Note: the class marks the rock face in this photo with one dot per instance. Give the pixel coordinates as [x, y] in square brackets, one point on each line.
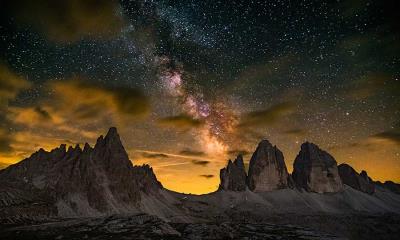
[233, 177]
[316, 170]
[78, 182]
[357, 181]
[267, 169]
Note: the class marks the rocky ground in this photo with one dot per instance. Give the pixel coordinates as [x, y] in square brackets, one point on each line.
[148, 227]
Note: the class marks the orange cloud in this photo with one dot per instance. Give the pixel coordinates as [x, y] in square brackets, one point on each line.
[182, 122]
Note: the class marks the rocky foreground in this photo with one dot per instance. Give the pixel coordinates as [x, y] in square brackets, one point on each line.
[96, 193]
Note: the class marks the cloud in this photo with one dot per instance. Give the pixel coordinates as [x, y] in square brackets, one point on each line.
[206, 176]
[88, 100]
[10, 85]
[200, 162]
[5, 141]
[261, 72]
[74, 110]
[154, 155]
[42, 113]
[189, 152]
[295, 132]
[182, 122]
[68, 20]
[30, 116]
[391, 136]
[369, 85]
[268, 116]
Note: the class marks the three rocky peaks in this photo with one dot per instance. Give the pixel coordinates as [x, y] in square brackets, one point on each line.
[314, 170]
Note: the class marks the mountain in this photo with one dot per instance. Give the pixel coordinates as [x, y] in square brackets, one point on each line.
[78, 182]
[233, 177]
[267, 169]
[361, 181]
[389, 185]
[315, 170]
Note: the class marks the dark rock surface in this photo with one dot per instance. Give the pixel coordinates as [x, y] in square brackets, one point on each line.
[143, 226]
[316, 170]
[267, 169]
[233, 176]
[357, 181]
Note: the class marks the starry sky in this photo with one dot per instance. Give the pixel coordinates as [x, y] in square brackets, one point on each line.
[191, 84]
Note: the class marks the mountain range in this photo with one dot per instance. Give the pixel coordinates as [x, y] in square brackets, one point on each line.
[99, 186]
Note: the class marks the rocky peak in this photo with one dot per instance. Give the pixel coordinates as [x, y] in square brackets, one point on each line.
[316, 170]
[87, 148]
[267, 169]
[360, 182]
[146, 179]
[233, 177]
[110, 152]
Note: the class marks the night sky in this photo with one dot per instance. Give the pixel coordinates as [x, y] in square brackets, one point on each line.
[190, 84]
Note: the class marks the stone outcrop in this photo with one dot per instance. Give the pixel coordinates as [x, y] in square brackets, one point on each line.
[315, 170]
[361, 181]
[233, 176]
[267, 169]
[81, 182]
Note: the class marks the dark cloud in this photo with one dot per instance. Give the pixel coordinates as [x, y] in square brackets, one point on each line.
[43, 113]
[207, 176]
[267, 116]
[200, 162]
[190, 152]
[87, 111]
[154, 155]
[182, 122]
[68, 20]
[130, 101]
[295, 132]
[5, 144]
[89, 100]
[392, 136]
[6, 137]
[370, 85]
[10, 84]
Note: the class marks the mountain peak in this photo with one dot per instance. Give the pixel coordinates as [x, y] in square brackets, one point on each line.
[239, 161]
[316, 170]
[112, 133]
[267, 169]
[264, 144]
[350, 177]
[233, 176]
